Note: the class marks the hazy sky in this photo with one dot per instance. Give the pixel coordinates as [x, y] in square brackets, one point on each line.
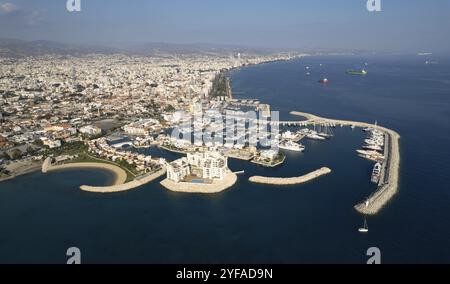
[403, 25]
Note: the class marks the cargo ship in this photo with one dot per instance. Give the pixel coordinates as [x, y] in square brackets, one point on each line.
[357, 72]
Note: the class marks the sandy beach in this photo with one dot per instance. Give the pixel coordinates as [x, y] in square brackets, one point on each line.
[119, 174]
[290, 181]
[138, 182]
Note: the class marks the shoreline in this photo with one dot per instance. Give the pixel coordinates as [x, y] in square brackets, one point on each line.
[120, 175]
[216, 187]
[292, 180]
[120, 184]
[374, 203]
[24, 169]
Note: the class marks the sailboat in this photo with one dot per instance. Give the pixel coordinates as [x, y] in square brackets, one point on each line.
[326, 131]
[364, 229]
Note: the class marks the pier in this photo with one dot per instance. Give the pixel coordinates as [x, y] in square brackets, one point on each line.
[388, 186]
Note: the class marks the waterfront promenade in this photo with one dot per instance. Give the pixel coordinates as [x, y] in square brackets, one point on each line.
[290, 181]
[386, 191]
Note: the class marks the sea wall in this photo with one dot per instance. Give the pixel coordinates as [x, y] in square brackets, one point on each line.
[373, 204]
[291, 181]
[389, 188]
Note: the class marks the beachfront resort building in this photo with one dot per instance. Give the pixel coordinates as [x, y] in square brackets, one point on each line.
[207, 166]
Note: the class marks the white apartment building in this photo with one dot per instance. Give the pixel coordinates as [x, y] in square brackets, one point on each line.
[211, 165]
[178, 170]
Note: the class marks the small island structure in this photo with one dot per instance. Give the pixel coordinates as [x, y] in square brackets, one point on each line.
[291, 181]
[199, 173]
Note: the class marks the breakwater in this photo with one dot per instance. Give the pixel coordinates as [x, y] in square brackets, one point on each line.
[391, 168]
[138, 182]
[291, 181]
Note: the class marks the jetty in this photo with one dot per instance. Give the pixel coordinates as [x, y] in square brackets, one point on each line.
[138, 182]
[389, 180]
[291, 181]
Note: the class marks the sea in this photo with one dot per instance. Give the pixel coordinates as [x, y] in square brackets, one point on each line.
[41, 216]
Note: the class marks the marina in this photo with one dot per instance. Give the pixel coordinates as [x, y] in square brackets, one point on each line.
[390, 168]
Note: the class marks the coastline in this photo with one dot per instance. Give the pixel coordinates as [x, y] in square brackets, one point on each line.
[374, 203]
[120, 176]
[120, 184]
[215, 187]
[138, 182]
[25, 169]
[290, 181]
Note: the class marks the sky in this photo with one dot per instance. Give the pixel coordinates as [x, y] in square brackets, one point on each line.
[402, 25]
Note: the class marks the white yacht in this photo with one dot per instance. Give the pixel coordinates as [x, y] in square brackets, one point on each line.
[373, 147]
[291, 146]
[376, 173]
[313, 135]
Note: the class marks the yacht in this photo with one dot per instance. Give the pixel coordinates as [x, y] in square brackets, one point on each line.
[291, 146]
[313, 135]
[373, 147]
[376, 173]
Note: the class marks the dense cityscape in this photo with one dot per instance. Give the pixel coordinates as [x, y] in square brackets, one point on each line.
[53, 106]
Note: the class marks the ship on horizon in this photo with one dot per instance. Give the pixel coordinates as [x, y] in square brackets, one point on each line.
[357, 72]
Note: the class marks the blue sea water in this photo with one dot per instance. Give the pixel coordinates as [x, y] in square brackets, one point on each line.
[43, 215]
